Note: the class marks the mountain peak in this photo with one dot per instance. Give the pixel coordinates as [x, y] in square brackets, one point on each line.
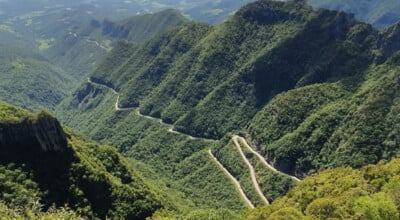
[270, 12]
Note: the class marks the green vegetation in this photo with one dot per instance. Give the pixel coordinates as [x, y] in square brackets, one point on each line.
[33, 210]
[59, 168]
[229, 156]
[210, 81]
[354, 129]
[173, 162]
[182, 71]
[272, 184]
[143, 27]
[82, 47]
[313, 89]
[344, 193]
[30, 81]
[20, 198]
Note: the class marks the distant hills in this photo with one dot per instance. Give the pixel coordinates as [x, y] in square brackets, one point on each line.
[30, 80]
[207, 11]
[40, 75]
[380, 13]
[80, 48]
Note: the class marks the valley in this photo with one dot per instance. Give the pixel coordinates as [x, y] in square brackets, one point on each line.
[199, 110]
[235, 140]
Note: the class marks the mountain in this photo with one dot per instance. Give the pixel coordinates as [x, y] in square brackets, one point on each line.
[274, 114]
[208, 83]
[30, 80]
[42, 159]
[308, 89]
[379, 13]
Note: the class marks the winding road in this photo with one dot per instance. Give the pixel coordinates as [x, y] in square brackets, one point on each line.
[235, 138]
[97, 44]
[252, 171]
[90, 41]
[234, 180]
[117, 108]
[269, 166]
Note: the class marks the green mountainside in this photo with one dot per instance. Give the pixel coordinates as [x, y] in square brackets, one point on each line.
[29, 80]
[198, 77]
[210, 11]
[278, 113]
[340, 124]
[143, 27]
[218, 82]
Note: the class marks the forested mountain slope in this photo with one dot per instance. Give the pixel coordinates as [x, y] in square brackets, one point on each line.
[210, 11]
[352, 122]
[217, 83]
[30, 80]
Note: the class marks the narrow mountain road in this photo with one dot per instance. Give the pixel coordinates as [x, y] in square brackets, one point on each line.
[102, 85]
[252, 171]
[236, 139]
[269, 166]
[97, 44]
[234, 180]
[117, 108]
[89, 41]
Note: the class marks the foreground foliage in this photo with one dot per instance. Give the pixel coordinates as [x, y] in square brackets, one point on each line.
[344, 193]
[39, 160]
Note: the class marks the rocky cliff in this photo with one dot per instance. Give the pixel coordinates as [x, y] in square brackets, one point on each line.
[43, 134]
[39, 143]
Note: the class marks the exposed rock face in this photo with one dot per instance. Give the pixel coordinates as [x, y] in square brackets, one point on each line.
[44, 134]
[41, 145]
